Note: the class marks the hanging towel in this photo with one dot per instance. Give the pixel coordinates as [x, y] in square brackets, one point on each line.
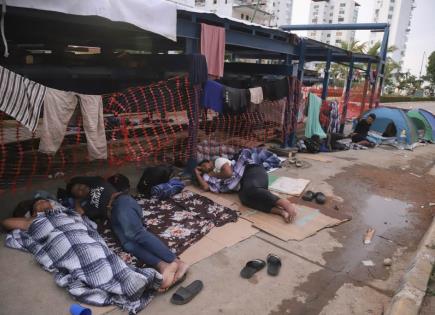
[21, 98]
[59, 107]
[312, 125]
[256, 95]
[212, 96]
[213, 48]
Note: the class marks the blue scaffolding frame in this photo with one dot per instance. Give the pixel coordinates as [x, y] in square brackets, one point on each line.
[243, 40]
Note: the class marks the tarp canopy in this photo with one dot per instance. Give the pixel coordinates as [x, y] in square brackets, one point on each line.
[430, 118]
[156, 16]
[386, 115]
[421, 123]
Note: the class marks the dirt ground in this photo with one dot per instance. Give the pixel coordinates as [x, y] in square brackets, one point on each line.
[389, 190]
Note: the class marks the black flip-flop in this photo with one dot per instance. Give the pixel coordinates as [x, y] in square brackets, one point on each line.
[185, 294]
[320, 198]
[273, 265]
[252, 267]
[309, 196]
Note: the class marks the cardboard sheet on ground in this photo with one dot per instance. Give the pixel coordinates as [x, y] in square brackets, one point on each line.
[308, 222]
[218, 239]
[289, 186]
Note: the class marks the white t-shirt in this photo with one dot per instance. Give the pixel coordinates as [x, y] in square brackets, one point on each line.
[219, 163]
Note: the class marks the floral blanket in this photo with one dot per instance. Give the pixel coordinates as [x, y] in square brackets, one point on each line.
[179, 221]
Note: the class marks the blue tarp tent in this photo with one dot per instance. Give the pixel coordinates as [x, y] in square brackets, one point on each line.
[386, 115]
[430, 119]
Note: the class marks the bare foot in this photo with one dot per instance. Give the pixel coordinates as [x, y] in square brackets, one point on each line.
[286, 216]
[182, 269]
[286, 210]
[291, 210]
[168, 272]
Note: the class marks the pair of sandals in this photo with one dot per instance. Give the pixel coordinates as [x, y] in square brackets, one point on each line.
[254, 266]
[319, 197]
[296, 162]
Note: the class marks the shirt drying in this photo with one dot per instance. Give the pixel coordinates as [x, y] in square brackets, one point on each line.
[256, 95]
[212, 96]
[236, 100]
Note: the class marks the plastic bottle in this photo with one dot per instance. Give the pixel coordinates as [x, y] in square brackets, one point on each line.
[402, 140]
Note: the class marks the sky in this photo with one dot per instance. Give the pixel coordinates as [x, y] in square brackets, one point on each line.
[421, 38]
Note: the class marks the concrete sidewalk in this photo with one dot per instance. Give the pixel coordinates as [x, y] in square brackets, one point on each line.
[385, 189]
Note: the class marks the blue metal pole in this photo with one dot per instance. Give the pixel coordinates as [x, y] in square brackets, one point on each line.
[366, 86]
[346, 96]
[326, 75]
[301, 64]
[355, 26]
[291, 140]
[382, 64]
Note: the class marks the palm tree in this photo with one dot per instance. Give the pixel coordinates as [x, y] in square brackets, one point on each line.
[376, 49]
[354, 46]
[392, 68]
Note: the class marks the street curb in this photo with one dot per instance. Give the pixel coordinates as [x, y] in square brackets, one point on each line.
[412, 289]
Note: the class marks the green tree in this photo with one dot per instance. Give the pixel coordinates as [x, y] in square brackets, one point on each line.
[408, 82]
[430, 70]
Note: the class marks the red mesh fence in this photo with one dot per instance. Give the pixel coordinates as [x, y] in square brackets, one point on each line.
[161, 122]
[152, 123]
[223, 135]
[355, 98]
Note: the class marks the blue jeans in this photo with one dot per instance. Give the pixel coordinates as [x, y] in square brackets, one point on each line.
[128, 227]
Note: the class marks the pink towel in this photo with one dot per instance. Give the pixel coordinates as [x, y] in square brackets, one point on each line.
[213, 48]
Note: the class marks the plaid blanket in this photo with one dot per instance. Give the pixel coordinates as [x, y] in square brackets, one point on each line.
[68, 245]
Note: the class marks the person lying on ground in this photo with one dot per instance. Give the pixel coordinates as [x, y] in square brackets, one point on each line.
[359, 136]
[251, 182]
[68, 244]
[96, 198]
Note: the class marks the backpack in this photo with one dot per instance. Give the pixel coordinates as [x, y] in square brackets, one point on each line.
[120, 182]
[152, 176]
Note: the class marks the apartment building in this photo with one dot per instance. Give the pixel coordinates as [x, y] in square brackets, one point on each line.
[333, 12]
[265, 12]
[398, 14]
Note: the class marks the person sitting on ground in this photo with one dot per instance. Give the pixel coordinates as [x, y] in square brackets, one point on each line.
[359, 136]
[97, 199]
[251, 182]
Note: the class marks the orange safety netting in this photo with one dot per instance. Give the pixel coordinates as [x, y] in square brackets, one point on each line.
[145, 123]
[160, 122]
[355, 98]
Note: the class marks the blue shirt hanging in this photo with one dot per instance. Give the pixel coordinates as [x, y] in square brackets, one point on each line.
[212, 96]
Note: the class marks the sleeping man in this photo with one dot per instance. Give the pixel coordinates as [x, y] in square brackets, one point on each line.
[68, 244]
[250, 180]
